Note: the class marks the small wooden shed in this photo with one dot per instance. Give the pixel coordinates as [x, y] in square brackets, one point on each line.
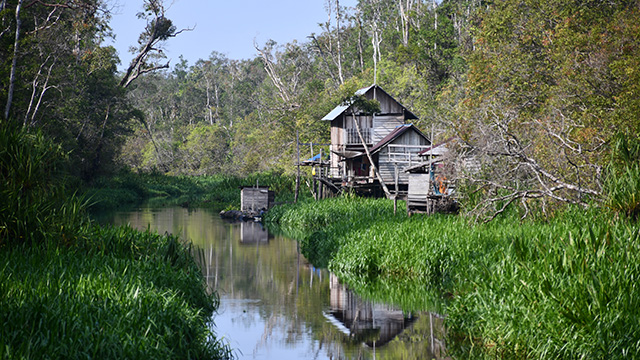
[429, 189]
[254, 199]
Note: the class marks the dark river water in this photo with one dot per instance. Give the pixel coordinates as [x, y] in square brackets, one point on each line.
[275, 305]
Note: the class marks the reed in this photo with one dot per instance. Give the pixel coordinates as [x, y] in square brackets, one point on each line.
[118, 293]
[70, 289]
[562, 288]
[622, 183]
[35, 201]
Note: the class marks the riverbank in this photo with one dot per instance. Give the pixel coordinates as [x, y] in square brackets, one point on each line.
[218, 192]
[115, 294]
[71, 289]
[565, 288]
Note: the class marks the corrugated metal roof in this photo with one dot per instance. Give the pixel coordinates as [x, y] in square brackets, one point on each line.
[337, 111]
[399, 130]
[363, 91]
[437, 149]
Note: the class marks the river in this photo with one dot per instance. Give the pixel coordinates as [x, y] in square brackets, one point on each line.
[274, 304]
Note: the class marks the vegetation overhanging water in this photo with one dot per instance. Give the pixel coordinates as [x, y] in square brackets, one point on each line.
[564, 288]
[72, 289]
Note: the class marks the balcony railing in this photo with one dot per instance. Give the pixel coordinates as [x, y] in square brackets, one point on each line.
[354, 139]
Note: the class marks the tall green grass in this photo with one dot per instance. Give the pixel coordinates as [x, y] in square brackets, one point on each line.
[70, 289]
[35, 201]
[117, 294]
[564, 288]
[622, 182]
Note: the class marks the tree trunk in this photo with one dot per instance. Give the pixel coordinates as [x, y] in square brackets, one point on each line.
[366, 149]
[340, 76]
[14, 62]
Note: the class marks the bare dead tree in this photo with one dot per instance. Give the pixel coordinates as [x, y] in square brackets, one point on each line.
[14, 62]
[286, 87]
[516, 161]
[323, 56]
[406, 7]
[158, 29]
[339, 55]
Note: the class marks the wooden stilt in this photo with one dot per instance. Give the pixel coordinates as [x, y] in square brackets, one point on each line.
[395, 197]
[295, 199]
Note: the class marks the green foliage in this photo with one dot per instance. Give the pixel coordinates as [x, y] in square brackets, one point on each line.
[217, 192]
[558, 290]
[622, 184]
[564, 288]
[117, 294]
[69, 289]
[322, 226]
[35, 204]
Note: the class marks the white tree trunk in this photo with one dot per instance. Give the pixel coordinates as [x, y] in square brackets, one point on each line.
[14, 62]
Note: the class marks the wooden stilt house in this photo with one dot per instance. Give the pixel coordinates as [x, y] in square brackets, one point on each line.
[392, 143]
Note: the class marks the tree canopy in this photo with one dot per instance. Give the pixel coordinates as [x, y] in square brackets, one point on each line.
[535, 91]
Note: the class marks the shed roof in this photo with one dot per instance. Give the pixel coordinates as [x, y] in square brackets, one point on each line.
[397, 132]
[340, 109]
[437, 149]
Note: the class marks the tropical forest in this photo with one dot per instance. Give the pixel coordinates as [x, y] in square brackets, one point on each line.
[113, 177]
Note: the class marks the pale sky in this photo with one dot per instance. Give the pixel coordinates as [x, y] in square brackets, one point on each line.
[226, 26]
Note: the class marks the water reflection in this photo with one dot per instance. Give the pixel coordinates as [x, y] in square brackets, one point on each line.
[253, 232]
[274, 304]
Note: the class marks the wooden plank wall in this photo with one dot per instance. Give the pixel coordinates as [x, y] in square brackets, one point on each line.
[385, 124]
[386, 166]
[255, 199]
[418, 187]
[387, 104]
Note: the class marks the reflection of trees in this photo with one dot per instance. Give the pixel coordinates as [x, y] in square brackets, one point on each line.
[278, 288]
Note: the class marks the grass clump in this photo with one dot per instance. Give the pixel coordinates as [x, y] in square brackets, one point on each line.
[119, 294]
[35, 200]
[563, 288]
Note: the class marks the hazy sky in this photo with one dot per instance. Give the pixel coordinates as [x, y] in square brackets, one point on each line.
[226, 26]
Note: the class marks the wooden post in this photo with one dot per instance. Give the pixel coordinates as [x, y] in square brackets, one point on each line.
[314, 191]
[430, 201]
[295, 198]
[320, 184]
[395, 197]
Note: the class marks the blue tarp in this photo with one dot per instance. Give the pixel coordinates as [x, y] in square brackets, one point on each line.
[315, 158]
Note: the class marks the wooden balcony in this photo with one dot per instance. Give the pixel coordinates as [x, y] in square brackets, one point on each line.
[352, 137]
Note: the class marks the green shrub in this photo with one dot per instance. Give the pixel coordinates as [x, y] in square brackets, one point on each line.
[35, 204]
[216, 191]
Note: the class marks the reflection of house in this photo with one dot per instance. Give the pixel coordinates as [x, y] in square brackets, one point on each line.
[362, 320]
[252, 232]
[392, 143]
